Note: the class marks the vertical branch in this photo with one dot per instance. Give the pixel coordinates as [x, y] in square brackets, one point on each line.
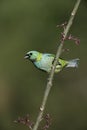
[51, 76]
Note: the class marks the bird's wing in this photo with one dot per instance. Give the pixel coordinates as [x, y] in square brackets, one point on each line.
[60, 62]
[53, 56]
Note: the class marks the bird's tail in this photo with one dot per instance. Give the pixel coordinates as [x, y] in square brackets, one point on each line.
[73, 63]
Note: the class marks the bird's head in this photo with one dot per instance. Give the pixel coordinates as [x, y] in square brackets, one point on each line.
[32, 55]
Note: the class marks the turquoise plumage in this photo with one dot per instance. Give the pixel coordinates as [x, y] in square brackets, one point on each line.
[44, 61]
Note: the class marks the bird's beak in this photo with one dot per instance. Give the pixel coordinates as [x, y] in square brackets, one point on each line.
[26, 56]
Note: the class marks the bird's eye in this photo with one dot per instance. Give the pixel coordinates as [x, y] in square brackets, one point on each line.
[30, 54]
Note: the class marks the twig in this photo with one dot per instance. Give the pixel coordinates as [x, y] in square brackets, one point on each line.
[51, 76]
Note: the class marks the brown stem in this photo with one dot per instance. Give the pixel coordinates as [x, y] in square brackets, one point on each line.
[51, 76]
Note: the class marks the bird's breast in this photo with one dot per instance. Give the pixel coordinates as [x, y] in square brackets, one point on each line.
[45, 63]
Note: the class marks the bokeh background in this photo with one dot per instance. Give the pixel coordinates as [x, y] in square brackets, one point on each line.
[31, 25]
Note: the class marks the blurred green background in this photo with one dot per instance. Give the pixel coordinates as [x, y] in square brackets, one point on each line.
[31, 25]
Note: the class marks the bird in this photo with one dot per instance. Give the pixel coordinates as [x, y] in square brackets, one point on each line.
[44, 61]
